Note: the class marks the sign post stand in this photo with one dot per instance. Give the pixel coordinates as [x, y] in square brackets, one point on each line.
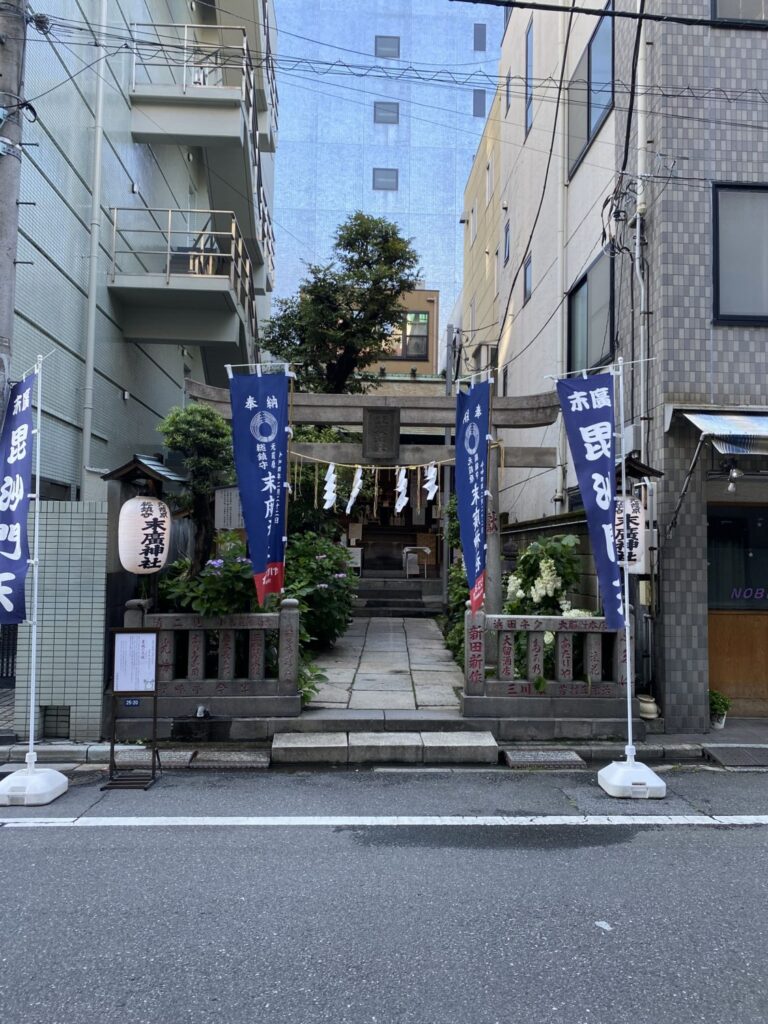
[134, 678]
[628, 778]
[32, 786]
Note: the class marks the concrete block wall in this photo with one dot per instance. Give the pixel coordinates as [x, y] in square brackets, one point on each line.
[71, 618]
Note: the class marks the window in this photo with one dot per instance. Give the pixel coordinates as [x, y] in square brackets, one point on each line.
[489, 181]
[478, 102]
[529, 77]
[741, 10]
[496, 273]
[741, 254]
[386, 113]
[590, 331]
[414, 338]
[505, 380]
[527, 278]
[506, 243]
[508, 91]
[387, 47]
[737, 553]
[479, 40]
[385, 179]
[590, 92]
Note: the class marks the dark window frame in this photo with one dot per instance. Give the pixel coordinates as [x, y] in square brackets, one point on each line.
[377, 104]
[481, 36]
[476, 93]
[404, 356]
[724, 21]
[507, 245]
[379, 188]
[579, 283]
[528, 119]
[382, 56]
[592, 135]
[729, 319]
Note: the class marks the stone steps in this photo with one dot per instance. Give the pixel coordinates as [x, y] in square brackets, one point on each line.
[455, 747]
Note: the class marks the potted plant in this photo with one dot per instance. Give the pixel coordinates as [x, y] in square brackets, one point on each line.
[718, 708]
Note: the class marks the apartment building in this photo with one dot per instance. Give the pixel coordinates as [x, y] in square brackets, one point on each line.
[146, 255]
[649, 245]
[382, 106]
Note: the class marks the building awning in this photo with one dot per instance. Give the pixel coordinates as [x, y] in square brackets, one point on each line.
[733, 433]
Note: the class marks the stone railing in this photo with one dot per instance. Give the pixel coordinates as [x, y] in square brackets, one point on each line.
[214, 669]
[521, 673]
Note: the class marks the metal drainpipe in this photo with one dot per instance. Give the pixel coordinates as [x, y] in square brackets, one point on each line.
[93, 259]
[562, 357]
[642, 206]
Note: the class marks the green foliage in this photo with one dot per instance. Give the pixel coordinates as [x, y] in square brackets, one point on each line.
[454, 537]
[342, 319]
[718, 703]
[545, 572]
[302, 513]
[319, 576]
[453, 622]
[223, 587]
[204, 439]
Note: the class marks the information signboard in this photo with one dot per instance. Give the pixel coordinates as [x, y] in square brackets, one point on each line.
[135, 662]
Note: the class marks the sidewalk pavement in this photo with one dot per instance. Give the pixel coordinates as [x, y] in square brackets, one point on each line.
[397, 664]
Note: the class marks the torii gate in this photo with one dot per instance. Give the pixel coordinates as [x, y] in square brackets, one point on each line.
[381, 416]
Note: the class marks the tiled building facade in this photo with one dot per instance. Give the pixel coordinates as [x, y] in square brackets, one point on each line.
[707, 314]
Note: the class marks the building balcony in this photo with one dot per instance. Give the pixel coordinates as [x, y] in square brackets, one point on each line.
[184, 277]
[195, 85]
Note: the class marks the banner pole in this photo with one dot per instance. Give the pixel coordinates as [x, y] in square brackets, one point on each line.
[629, 750]
[31, 756]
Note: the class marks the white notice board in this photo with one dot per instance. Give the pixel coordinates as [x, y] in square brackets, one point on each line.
[135, 661]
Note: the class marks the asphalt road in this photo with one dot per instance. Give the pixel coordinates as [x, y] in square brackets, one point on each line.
[393, 924]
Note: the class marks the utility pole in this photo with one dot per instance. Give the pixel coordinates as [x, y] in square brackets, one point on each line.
[13, 27]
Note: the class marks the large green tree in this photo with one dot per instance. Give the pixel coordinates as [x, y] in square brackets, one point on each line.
[204, 439]
[343, 317]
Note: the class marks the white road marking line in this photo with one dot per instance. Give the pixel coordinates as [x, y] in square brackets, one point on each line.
[398, 821]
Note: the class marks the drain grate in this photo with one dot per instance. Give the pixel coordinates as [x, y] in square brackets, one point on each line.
[543, 759]
[738, 757]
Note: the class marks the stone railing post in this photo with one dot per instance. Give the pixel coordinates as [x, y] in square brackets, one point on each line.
[474, 653]
[288, 647]
[133, 616]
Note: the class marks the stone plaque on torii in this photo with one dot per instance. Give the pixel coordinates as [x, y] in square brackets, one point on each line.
[437, 411]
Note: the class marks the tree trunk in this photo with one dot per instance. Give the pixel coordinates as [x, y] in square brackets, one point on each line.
[202, 515]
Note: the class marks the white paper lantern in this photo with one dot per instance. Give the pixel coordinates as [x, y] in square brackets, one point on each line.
[144, 535]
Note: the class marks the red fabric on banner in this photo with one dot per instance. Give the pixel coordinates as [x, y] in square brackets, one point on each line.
[271, 581]
[477, 594]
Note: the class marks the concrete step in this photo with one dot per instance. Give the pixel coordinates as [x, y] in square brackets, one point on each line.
[520, 729]
[444, 747]
[395, 612]
[547, 707]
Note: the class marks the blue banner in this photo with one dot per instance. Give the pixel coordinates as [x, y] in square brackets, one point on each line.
[588, 412]
[260, 441]
[16, 459]
[472, 413]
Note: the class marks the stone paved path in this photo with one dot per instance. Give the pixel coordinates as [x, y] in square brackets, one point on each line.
[390, 664]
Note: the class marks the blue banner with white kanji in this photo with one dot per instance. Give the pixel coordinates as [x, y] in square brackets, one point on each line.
[16, 458]
[260, 441]
[588, 413]
[472, 415]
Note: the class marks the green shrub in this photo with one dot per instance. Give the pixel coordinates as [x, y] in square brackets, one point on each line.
[718, 703]
[223, 587]
[318, 575]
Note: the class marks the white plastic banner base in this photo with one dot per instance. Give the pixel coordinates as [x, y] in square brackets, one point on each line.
[31, 786]
[631, 780]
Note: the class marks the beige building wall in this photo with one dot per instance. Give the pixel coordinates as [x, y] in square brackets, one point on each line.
[420, 303]
[531, 331]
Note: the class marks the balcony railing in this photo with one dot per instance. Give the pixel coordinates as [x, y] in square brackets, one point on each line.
[187, 243]
[192, 57]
